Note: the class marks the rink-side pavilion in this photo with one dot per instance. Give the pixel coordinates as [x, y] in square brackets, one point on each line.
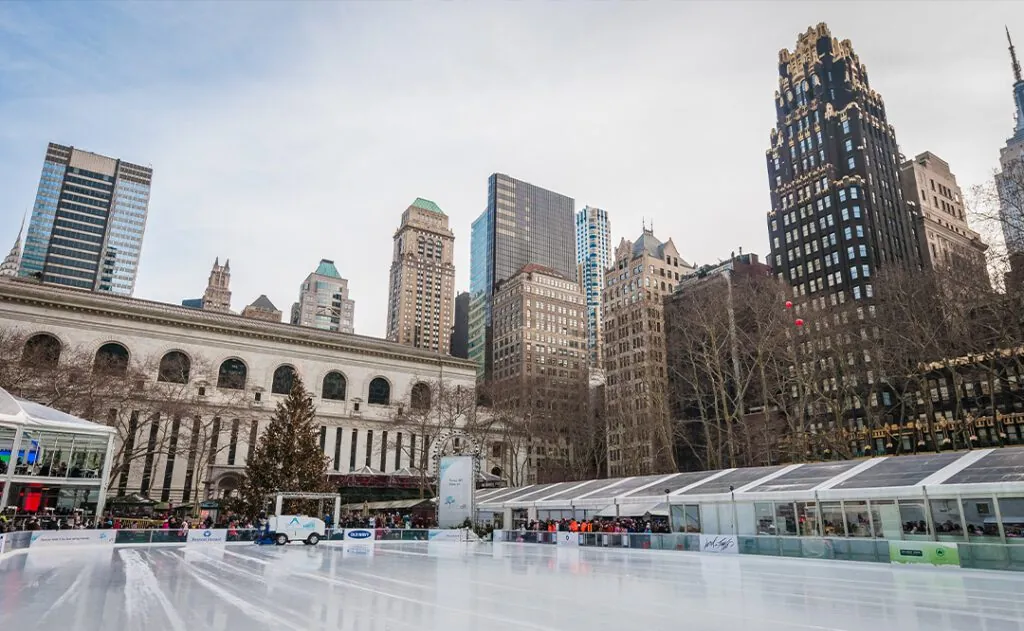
[973, 496]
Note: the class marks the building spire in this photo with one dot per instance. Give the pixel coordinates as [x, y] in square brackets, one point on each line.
[10, 264]
[1013, 58]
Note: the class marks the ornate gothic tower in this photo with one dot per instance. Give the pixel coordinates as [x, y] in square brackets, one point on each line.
[217, 296]
[9, 267]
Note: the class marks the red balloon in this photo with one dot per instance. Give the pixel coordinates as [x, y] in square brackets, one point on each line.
[799, 322]
[789, 304]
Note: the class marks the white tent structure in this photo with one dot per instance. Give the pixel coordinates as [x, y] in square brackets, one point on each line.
[46, 450]
[975, 496]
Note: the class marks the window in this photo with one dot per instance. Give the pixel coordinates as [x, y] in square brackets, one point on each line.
[232, 375]
[380, 392]
[863, 251]
[850, 163]
[175, 367]
[849, 145]
[853, 273]
[846, 126]
[856, 293]
[860, 231]
[420, 397]
[333, 387]
[284, 379]
[112, 360]
[41, 351]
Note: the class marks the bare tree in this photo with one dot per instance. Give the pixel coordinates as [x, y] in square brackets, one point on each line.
[154, 404]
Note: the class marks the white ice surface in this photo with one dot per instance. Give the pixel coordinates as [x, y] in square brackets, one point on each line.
[455, 587]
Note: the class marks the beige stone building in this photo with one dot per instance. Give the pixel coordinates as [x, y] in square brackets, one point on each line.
[421, 289]
[262, 309]
[947, 239]
[639, 435]
[226, 374]
[540, 362]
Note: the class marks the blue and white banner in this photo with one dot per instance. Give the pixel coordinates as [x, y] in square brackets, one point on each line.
[215, 535]
[359, 534]
[45, 538]
[455, 491]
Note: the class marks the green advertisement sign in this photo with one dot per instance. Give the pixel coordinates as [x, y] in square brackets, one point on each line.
[924, 552]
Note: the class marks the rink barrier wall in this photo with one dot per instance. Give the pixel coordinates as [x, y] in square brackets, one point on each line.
[986, 556]
[19, 541]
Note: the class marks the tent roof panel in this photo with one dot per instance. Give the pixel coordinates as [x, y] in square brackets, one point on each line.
[900, 471]
[805, 477]
[999, 466]
[673, 484]
[735, 479]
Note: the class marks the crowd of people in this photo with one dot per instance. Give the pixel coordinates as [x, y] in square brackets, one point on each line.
[616, 525]
[389, 520]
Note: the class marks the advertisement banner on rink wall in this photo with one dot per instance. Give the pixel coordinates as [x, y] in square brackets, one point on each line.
[446, 535]
[43, 538]
[924, 553]
[571, 539]
[455, 490]
[720, 544]
[216, 535]
[359, 534]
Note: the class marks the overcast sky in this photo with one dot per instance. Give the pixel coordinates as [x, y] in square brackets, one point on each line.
[281, 134]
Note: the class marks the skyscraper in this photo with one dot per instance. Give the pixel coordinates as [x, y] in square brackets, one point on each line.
[838, 212]
[540, 364]
[643, 274]
[88, 221]
[323, 301]
[460, 330]
[422, 279]
[1010, 181]
[947, 241]
[523, 224]
[594, 256]
[480, 246]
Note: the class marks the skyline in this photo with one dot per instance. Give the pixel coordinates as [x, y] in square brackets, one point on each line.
[346, 113]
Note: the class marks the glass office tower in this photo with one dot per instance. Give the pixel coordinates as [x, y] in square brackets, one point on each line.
[523, 224]
[88, 221]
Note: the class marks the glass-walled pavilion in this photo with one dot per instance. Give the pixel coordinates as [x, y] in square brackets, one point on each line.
[51, 463]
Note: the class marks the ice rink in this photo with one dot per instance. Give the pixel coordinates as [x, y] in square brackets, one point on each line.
[454, 586]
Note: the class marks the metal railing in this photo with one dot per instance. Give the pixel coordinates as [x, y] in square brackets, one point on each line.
[988, 556]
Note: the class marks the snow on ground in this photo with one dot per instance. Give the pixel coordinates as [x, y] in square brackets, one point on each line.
[454, 587]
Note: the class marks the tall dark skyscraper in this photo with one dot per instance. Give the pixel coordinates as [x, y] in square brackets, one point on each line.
[88, 221]
[838, 212]
[460, 330]
[523, 224]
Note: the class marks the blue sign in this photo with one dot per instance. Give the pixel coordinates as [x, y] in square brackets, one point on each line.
[358, 534]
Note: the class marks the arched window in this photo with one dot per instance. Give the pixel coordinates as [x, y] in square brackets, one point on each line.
[334, 386]
[175, 367]
[284, 377]
[420, 398]
[232, 374]
[111, 359]
[41, 351]
[380, 391]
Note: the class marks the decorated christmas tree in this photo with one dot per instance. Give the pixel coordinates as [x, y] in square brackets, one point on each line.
[288, 455]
